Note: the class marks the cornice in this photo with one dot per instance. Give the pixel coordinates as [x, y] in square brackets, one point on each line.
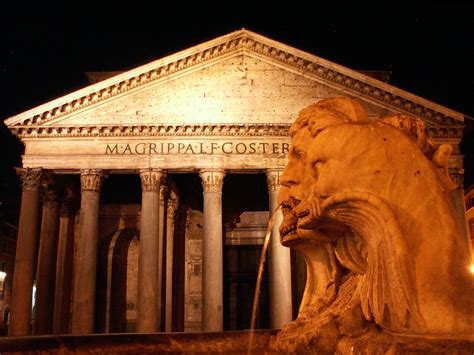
[247, 41]
[187, 130]
[210, 129]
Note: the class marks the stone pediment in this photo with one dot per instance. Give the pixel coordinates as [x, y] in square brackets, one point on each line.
[240, 82]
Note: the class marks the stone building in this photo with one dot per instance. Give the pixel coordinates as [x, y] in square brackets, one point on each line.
[156, 184]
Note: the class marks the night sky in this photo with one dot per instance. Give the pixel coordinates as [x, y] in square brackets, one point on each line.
[46, 49]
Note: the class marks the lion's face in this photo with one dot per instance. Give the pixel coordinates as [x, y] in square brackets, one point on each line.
[314, 172]
[294, 189]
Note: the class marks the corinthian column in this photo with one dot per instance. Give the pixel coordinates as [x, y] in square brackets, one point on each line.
[171, 208]
[86, 253]
[212, 307]
[25, 256]
[164, 193]
[45, 272]
[148, 288]
[279, 261]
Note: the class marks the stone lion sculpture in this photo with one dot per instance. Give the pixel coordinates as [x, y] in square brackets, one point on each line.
[367, 204]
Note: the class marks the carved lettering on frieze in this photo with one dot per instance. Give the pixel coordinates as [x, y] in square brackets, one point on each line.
[30, 178]
[212, 180]
[151, 179]
[196, 148]
[91, 179]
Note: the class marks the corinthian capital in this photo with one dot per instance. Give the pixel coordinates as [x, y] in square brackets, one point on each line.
[30, 178]
[151, 179]
[273, 179]
[91, 179]
[49, 191]
[164, 191]
[212, 179]
[172, 205]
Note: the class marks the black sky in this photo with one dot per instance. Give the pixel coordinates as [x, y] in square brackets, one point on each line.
[45, 49]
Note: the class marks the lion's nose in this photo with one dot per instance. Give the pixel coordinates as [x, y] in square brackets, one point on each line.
[288, 178]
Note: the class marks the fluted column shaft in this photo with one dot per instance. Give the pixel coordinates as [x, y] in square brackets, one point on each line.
[171, 208]
[62, 291]
[279, 262]
[45, 272]
[86, 253]
[25, 256]
[148, 287]
[212, 273]
[164, 192]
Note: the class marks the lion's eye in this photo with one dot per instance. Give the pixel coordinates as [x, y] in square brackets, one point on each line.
[300, 154]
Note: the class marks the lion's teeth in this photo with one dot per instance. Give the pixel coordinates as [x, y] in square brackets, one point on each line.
[303, 214]
[288, 230]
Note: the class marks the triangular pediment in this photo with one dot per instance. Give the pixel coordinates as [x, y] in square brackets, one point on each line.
[239, 78]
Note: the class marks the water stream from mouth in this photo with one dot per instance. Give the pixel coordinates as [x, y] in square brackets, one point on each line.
[261, 267]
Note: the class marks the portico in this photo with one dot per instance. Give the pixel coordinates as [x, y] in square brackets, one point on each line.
[215, 110]
[211, 166]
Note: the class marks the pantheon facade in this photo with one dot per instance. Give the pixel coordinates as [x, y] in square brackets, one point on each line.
[146, 195]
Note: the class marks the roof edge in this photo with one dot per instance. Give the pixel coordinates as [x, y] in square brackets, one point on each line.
[323, 68]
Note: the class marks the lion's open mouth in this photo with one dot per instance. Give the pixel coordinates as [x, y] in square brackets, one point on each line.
[299, 217]
[288, 230]
[288, 227]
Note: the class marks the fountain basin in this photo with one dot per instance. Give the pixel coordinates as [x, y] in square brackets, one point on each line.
[233, 342]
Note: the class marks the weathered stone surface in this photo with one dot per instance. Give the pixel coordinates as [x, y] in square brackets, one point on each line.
[368, 204]
[212, 254]
[26, 250]
[149, 289]
[193, 272]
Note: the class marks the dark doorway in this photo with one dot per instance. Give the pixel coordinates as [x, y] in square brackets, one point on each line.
[117, 282]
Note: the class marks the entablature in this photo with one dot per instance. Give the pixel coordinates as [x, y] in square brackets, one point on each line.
[444, 132]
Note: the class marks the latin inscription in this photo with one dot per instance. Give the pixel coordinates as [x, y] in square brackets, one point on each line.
[146, 148]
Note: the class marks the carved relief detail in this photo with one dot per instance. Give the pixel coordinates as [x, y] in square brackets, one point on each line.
[164, 191]
[212, 179]
[171, 209]
[91, 179]
[151, 179]
[191, 130]
[273, 179]
[30, 178]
